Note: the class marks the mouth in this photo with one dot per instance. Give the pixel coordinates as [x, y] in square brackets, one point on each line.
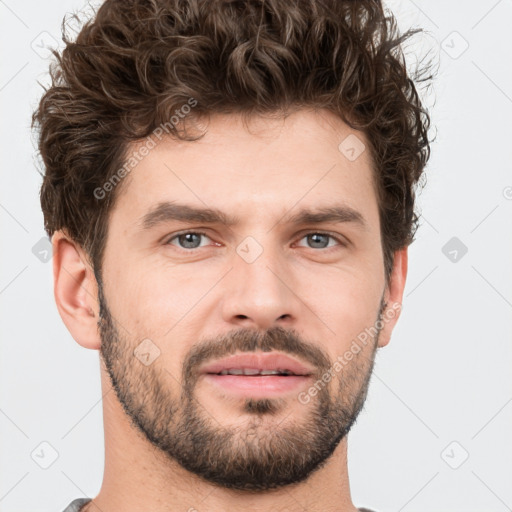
[258, 364]
[257, 375]
[254, 372]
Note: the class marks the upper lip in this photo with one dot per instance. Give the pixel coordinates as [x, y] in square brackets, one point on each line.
[262, 361]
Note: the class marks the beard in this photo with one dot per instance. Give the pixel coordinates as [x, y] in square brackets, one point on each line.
[264, 453]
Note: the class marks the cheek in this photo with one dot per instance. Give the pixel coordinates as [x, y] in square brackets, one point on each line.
[155, 297]
[346, 302]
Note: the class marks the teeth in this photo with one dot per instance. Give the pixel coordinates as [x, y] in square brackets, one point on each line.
[250, 371]
[271, 372]
[253, 371]
[232, 372]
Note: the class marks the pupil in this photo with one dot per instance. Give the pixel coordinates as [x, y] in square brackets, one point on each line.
[187, 241]
[317, 240]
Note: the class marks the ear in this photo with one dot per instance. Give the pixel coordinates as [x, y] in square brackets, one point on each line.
[393, 296]
[75, 290]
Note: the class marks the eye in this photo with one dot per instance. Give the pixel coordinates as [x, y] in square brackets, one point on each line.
[321, 240]
[188, 239]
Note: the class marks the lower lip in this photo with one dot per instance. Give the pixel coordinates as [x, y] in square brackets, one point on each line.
[257, 386]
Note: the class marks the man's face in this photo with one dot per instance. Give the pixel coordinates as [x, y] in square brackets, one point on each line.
[265, 282]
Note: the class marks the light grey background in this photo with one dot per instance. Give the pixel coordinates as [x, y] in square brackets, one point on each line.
[442, 389]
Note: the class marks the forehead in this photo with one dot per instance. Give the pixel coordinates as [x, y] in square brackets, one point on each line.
[267, 166]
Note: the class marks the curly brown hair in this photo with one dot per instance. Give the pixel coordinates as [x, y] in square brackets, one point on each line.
[138, 61]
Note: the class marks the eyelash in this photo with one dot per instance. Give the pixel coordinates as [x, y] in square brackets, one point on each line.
[323, 233]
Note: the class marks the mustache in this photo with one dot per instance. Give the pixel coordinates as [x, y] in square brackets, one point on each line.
[276, 338]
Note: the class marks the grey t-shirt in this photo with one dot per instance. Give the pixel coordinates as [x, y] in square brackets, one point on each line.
[77, 504]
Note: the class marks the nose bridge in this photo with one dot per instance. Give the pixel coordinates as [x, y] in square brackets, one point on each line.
[259, 292]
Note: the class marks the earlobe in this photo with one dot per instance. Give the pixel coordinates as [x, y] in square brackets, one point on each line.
[75, 291]
[393, 296]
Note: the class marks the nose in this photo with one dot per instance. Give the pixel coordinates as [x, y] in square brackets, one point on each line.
[260, 294]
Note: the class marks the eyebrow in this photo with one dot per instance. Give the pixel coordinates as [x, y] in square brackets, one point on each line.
[167, 211]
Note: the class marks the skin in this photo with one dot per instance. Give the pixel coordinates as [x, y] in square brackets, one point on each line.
[184, 299]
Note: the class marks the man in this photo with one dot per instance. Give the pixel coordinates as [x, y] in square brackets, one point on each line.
[229, 189]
